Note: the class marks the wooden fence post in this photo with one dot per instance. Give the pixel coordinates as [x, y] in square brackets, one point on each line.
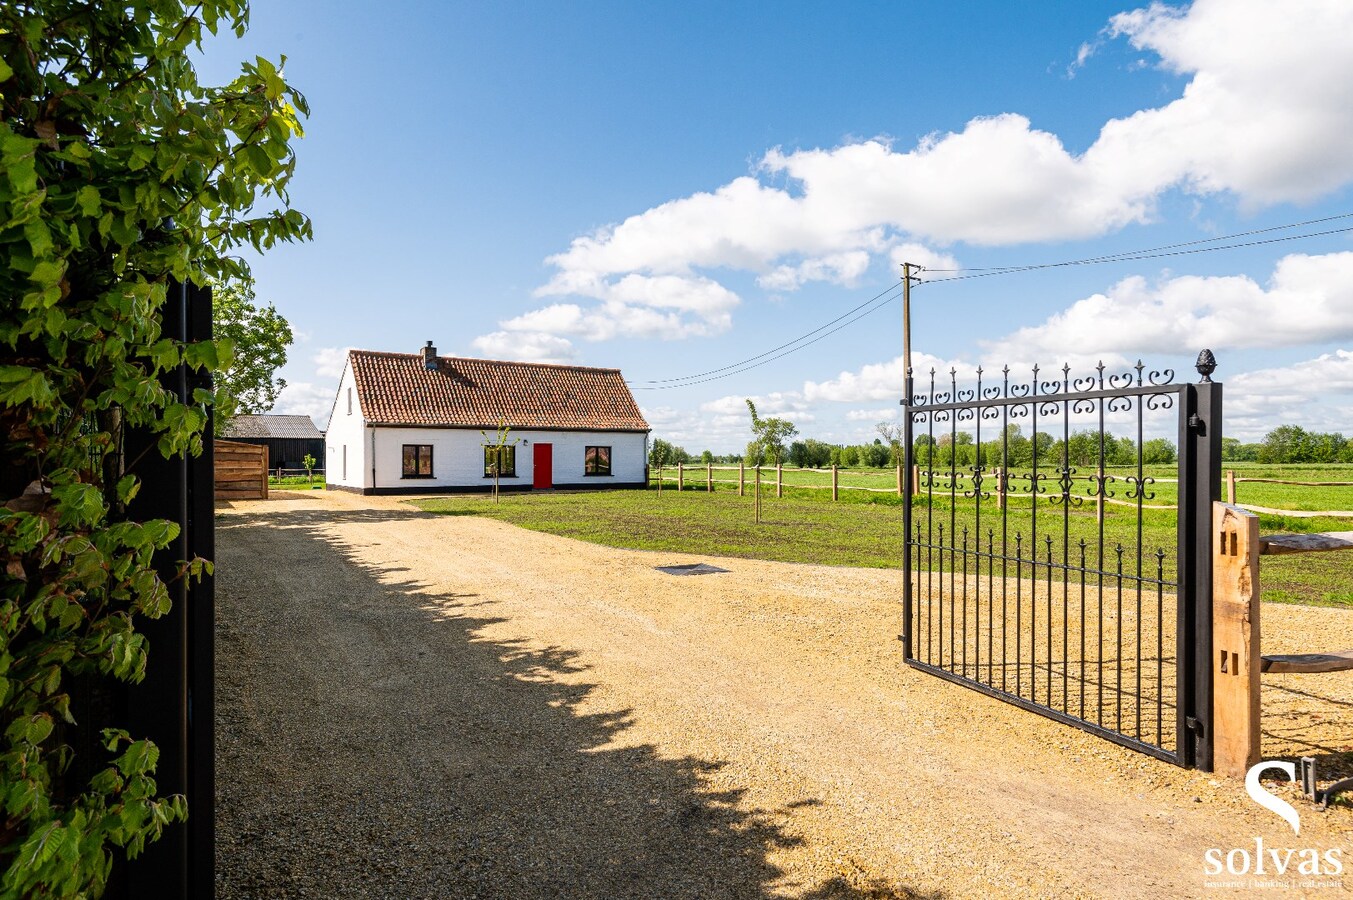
[709, 477]
[1235, 640]
[915, 480]
[757, 502]
[1000, 487]
[1231, 486]
[779, 480]
[742, 478]
[681, 475]
[899, 479]
[834, 493]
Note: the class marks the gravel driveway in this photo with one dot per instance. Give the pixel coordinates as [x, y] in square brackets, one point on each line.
[413, 705]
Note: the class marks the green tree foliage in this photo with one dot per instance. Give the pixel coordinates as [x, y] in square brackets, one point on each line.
[119, 172]
[248, 384]
[894, 435]
[707, 457]
[1159, 451]
[495, 451]
[664, 453]
[1294, 444]
[769, 436]
[810, 454]
[1232, 450]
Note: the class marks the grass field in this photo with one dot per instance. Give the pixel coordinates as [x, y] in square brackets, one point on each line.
[294, 482]
[865, 528]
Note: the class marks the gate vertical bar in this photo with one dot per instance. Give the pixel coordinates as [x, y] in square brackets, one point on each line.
[908, 491]
[1199, 487]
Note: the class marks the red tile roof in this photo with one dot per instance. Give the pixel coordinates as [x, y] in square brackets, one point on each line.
[397, 389]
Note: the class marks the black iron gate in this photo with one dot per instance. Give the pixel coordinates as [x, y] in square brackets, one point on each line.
[1055, 568]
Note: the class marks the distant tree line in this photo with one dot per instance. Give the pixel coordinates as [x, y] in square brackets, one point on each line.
[1081, 449]
[1291, 444]
[1013, 449]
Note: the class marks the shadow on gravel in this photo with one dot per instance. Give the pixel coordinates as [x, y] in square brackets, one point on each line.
[374, 742]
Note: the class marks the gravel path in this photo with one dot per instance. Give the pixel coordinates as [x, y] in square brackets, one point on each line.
[413, 705]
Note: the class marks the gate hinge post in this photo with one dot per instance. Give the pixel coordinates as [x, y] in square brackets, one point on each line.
[1195, 725]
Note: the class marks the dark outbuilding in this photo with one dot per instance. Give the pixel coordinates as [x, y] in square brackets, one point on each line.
[288, 438]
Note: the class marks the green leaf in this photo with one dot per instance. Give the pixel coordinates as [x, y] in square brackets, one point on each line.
[88, 199]
[20, 385]
[80, 504]
[128, 486]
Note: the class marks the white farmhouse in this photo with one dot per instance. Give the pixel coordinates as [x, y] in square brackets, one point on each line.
[406, 423]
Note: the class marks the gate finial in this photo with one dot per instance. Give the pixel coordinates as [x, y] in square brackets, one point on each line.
[1206, 365]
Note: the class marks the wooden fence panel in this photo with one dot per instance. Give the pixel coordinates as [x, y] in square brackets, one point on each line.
[241, 471]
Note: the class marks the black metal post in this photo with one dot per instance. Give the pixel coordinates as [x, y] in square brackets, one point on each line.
[1200, 433]
[173, 705]
[908, 464]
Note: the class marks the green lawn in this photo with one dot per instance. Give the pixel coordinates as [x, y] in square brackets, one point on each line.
[865, 530]
[297, 482]
[718, 524]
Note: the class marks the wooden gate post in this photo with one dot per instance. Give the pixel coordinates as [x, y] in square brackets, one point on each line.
[742, 478]
[1235, 640]
[757, 502]
[681, 475]
[915, 480]
[1000, 487]
[709, 477]
[1231, 486]
[834, 493]
[779, 480]
[899, 479]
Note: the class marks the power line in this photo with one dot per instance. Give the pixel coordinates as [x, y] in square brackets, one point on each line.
[1112, 257]
[1139, 256]
[659, 381]
[882, 299]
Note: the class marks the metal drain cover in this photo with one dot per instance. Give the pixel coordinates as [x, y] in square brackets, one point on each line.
[690, 569]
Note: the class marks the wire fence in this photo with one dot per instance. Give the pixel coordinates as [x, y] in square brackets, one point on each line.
[1231, 494]
[701, 477]
[1007, 486]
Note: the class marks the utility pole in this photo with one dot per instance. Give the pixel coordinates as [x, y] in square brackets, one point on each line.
[906, 319]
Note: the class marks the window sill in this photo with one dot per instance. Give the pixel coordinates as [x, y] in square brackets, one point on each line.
[415, 477]
[501, 477]
[598, 475]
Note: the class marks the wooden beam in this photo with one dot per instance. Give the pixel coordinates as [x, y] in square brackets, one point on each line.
[1276, 544]
[1309, 662]
[1235, 639]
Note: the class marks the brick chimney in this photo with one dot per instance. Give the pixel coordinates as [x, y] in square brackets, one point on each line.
[430, 357]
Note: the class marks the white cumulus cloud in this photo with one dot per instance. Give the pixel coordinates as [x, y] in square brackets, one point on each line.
[329, 361]
[525, 346]
[1264, 117]
[304, 398]
[1307, 299]
[1316, 394]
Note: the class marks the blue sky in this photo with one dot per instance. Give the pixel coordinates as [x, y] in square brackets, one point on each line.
[671, 188]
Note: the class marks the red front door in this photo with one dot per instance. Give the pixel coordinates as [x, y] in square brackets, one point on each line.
[543, 467]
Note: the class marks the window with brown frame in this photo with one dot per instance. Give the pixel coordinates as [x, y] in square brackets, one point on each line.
[417, 461]
[597, 461]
